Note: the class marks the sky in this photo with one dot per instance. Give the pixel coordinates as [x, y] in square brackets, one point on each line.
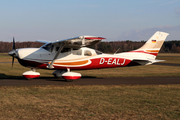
[116, 20]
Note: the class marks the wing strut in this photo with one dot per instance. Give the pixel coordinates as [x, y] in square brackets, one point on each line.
[50, 66]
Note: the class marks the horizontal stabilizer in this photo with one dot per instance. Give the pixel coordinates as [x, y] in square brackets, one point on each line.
[155, 61]
[135, 62]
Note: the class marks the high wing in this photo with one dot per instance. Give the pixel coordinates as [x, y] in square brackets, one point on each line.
[43, 41]
[75, 42]
[81, 41]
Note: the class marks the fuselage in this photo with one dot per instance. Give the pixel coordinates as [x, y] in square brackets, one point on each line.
[75, 59]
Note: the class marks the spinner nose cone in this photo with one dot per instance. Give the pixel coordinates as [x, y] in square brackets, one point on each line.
[13, 53]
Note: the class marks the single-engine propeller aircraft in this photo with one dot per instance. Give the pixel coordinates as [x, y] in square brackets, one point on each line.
[74, 54]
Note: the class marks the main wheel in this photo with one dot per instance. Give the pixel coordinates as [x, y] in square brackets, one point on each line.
[29, 79]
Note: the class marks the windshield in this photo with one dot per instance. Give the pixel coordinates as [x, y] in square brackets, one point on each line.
[48, 47]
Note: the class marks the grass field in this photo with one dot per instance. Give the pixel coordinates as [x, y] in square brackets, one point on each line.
[92, 102]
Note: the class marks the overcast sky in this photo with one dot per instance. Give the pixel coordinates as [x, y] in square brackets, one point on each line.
[30, 20]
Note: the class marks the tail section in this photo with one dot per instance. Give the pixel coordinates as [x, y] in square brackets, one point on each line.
[154, 44]
[146, 55]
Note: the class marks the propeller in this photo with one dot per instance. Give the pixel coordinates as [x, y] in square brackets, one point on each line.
[13, 52]
[14, 44]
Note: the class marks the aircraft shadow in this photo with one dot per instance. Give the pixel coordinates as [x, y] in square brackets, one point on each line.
[10, 77]
[4, 76]
[62, 79]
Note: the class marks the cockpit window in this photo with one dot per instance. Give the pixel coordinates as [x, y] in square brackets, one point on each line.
[65, 50]
[87, 53]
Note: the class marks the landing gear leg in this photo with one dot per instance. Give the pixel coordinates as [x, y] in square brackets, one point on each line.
[58, 73]
[67, 75]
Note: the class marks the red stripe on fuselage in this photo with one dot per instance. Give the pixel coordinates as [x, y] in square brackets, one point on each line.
[97, 63]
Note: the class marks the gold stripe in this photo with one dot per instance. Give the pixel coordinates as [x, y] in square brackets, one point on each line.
[73, 63]
[152, 50]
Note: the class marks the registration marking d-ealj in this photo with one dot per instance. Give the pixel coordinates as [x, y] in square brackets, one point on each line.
[111, 61]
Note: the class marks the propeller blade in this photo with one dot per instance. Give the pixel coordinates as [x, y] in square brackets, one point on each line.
[14, 48]
[14, 44]
[12, 61]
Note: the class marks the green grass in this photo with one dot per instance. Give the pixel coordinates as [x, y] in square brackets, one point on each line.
[90, 102]
[169, 58]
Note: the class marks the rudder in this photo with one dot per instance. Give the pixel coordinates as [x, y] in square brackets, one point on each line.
[154, 44]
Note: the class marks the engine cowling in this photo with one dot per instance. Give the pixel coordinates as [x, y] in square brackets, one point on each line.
[31, 74]
[71, 75]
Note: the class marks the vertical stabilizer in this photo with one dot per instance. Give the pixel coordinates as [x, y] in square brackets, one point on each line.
[154, 44]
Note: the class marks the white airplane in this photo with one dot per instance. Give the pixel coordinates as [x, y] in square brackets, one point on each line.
[74, 54]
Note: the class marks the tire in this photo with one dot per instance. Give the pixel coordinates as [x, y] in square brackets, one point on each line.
[69, 80]
[29, 79]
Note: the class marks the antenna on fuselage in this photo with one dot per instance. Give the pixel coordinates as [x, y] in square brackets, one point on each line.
[116, 51]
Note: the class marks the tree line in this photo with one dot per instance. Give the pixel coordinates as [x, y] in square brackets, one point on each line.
[106, 47]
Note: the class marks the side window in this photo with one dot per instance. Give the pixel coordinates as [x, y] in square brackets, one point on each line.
[63, 50]
[77, 52]
[57, 48]
[87, 53]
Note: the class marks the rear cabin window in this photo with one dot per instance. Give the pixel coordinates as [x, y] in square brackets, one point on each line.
[87, 53]
[77, 52]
